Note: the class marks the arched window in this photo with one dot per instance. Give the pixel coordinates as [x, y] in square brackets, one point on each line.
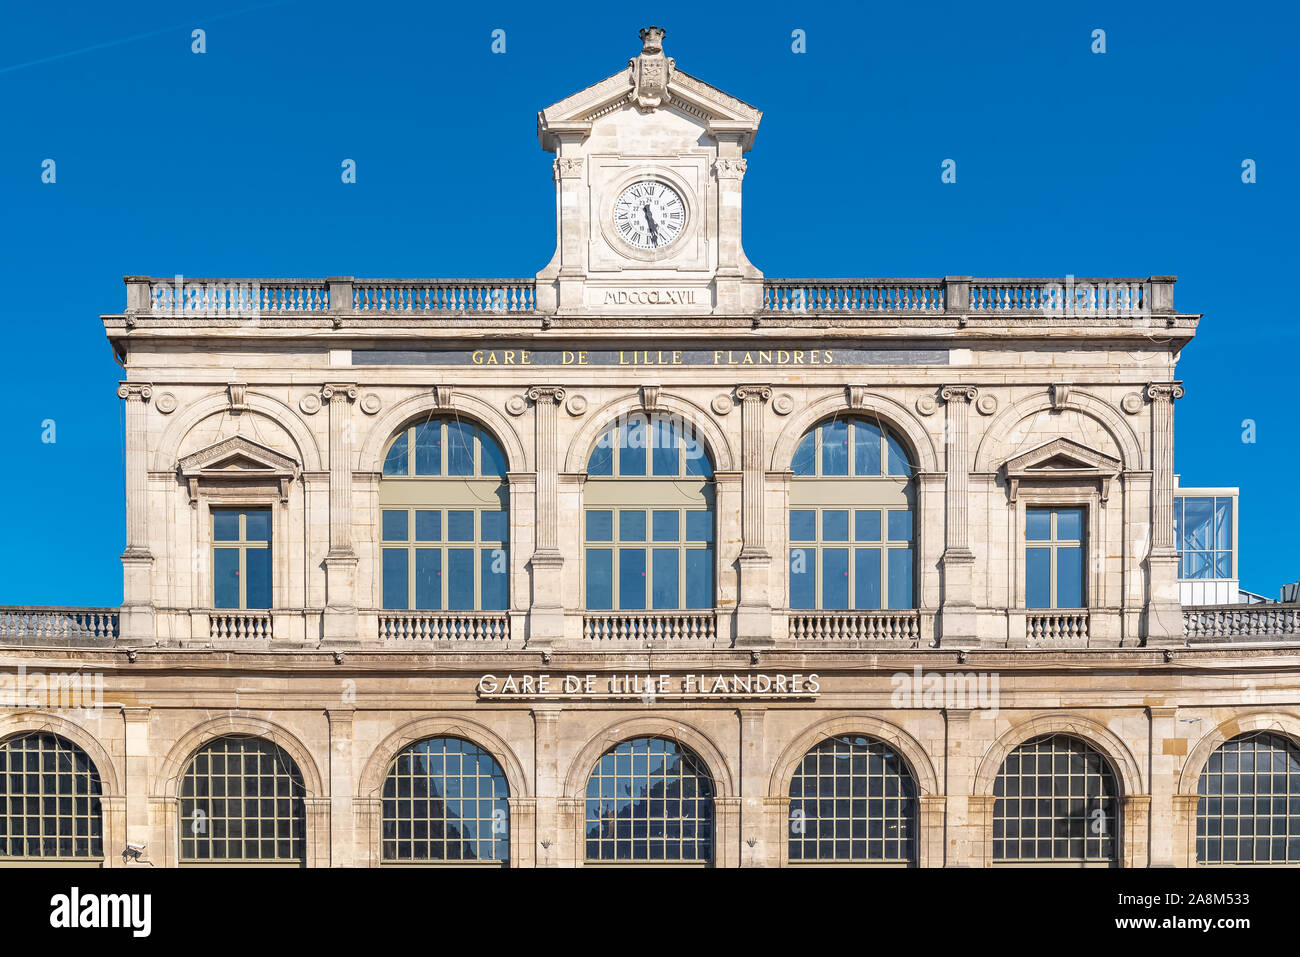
[853, 799]
[49, 801]
[443, 515]
[648, 526]
[242, 803]
[445, 800]
[852, 528]
[649, 800]
[1056, 803]
[1249, 811]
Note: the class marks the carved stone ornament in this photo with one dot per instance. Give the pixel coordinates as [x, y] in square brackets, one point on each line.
[568, 167]
[783, 404]
[722, 404]
[516, 405]
[547, 393]
[576, 405]
[755, 393]
[986, 404]
[370, 403]
[166, 403]
[139, 390]
[237, 459]
[650, 397]
[857, 396]
[334, 390]
[1131, 403]
[1060, 393]
[238, 392]
[650, 72]
[959, 393]
[310, 403]
[1165, 391]
[730, 168]
[1061, 460]
[927, 405]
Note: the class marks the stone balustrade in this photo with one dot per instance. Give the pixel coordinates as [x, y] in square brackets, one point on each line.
[1057, 627]
[444, 626]
[1267, 622]
[239, 625]
[40, 621]
[651, 626]
[833, 626]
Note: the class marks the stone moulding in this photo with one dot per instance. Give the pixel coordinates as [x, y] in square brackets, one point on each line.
[237, 458]
[1061, 460]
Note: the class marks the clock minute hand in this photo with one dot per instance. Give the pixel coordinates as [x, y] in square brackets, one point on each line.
[650, 220]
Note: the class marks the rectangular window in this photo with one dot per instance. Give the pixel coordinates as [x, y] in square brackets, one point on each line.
[600, 579]
[494, 577]
[428, 579]
[631, 578]
[396, 573]
[241, 558]
[1054, 563]
[1203, 533]
[460, 578]
[699, 578]
[664, 578]
[835, 578]
[828, 576]
[803, 578]
[423, 576]
[672, 573]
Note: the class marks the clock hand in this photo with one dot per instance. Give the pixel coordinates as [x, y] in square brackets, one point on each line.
[654, 230]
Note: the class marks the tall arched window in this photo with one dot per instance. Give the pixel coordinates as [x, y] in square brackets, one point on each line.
[648, 525]
[444, 521]
[1057, 802]
[853, 799]
[49, 801]
[445, 800]
[649, 800]
[1249, 811]
[241, 802]
[852, 528]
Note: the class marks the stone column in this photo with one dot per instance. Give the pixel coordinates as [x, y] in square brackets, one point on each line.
[135, 786]
[957, 609]
[136, 624]
[739, 290]
[546, 619]
[340, 619]
[754, 611]
[570, 217]
[755, 848]
[553, 842]
[341, 785]
[1164, 613]
[1168, 750]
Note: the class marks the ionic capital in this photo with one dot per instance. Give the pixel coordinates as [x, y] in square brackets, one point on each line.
[343, 392]
[141, 391]
[546, 394]
[959, 393]
[1164, 391]
[753, 393]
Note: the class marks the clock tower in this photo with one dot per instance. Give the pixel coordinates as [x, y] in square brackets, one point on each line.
[648, 172]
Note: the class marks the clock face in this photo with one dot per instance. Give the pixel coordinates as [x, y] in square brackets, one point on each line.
[649, 215]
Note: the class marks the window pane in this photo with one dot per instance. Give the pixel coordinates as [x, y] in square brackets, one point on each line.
[803, 526]
[695, 457]
[396, 585]
[1197, 565]
[257, 588]
[601, 461]
[866, 448]
[1038, 524]
[866, 525]
[394, 525]
[428, 526]
[901, 593]
[835, 448]
[1198, 523]
[1069, 525]
[664, 590]
[665, 451]
[428, 578]
[494, 577]
[460, 578]
[1223, 565]
[631, 579]
[460, 526]
[492, 461]
[631, 525]
[699, 526]
[428, 448]
[900, 525]
[1038, 578]
[898, 464]
[631, 452]
[804, 462]
[835, 525]
[395, 462]
[866, 578]
[1223, 523]
[835, 578]
[699, 578]
[493, 526]
[225, 578]
[600, 526]
[1178, 522]
[460, 448]
[600, 579]
[1069, 578]
[803, 580]
[665, 525]
[257, 525]
[225, 525]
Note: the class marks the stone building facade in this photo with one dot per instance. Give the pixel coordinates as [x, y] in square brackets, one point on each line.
[652, 558]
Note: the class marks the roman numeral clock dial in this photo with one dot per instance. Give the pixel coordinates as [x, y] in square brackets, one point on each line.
[649, 215]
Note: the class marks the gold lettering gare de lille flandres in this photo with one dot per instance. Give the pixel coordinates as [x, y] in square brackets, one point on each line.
[660, 357]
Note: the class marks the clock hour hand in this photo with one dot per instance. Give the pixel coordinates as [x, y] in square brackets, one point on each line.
[650, 220]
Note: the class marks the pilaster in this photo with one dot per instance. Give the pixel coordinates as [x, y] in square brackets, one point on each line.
[342, 848]
[1164, 611]
[136, 622]
[340, 617]
[754, 610]
[546, 619]
[957, 620]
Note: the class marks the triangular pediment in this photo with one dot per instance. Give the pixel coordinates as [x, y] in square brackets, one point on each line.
[1061, 460]
[237, 454]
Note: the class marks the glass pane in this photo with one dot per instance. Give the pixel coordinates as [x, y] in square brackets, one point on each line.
[1223, 565]
[803, 592]
[866, 525]
[835, 578]
[460, 526]
[631, 453]
[699, 578]
[664, 580]
[803, 526]
[866, 578]
[225, 525]
[898, 464]
[394, 525]
[460, 448]
[428, 578]
[428, 526]
[664, 444]
[1223, 523]
[631, 579]
[835, 525]
[601, 460]
[631, 525]
[866, 448]
[900, 525]
[225, 578]
[1069, 525]
[257, 525]
[600, 526]
[804, 462]
[835, 448]
[494, 577]
[695, 455]
[901, 594]
[1197, 565]
[664, 525]
[1038, 524]
[1069, 578]
[1178, 522]
[493, 527]
[600, 579]
[460, 578]
[428, 448]
[492, 461]
[1038, 578]
[257, 587]
[699, 526]
[395, 462]
[1198, 523]
[396, 584]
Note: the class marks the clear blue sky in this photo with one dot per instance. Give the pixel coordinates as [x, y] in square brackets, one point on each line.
[228, 163]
